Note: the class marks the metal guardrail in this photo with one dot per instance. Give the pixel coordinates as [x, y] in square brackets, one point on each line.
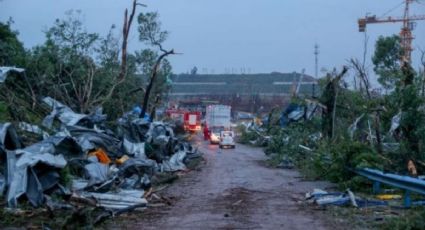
[407, 183]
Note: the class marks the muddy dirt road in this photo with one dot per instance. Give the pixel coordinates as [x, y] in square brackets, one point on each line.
[233, 190]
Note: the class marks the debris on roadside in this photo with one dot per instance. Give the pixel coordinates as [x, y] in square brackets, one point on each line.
[5, 70]
[388, 197]
[286, 163]
[84, 164]
[347, 198]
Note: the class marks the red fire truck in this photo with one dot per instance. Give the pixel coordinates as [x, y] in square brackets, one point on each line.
[192, 121]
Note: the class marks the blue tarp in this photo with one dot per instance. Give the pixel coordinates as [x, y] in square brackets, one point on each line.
[293, 112]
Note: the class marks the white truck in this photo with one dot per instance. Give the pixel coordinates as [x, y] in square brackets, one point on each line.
[217, 119]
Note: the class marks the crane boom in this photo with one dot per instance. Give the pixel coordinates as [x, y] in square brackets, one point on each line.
[374, 20]
[406, 31]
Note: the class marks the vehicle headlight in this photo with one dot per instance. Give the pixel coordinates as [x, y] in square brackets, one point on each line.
[214, 137]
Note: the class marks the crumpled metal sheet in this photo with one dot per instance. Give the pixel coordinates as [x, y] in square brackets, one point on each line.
[395, 122]
[135, 149]
[137, 166]
[293, 112]
[353, 127]
[27, 172]
[96, 172]
[63, 112]
[324, 198]
[10, 166]
[34, 191]
[2, 184]
[97, 116]
[33, 129]
[296, 114]
[69, 117]
[19, 182]
[120, 200]
[79, 184]
[4, 72]
[135, 130]
[67, 146]
[175, 163]
[90, 139]
[31, 159]
[8, 137]
[311, 109]
[160, 133]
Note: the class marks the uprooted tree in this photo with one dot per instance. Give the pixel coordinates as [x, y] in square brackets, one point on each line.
[329, 99]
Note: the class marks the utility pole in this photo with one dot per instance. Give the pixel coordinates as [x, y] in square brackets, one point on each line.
[316, 67]
[316, 60]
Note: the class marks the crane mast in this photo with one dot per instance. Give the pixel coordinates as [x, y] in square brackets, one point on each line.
[406, 35]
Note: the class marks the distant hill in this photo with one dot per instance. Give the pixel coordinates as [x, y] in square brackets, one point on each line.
[241, 84]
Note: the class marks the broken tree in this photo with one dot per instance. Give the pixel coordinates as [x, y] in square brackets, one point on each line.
[150, 32]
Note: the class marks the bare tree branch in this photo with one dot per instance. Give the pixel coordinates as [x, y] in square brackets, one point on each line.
[136, 90]
[123, 72]
[155, 71]
[362, 74]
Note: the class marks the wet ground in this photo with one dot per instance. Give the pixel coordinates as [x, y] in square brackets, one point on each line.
[234, 189]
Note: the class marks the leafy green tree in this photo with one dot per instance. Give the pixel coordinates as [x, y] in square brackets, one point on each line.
[386, 60]
[82, 69]
[12, 52]
[66, 66]
[412, 123]
[406, 97]
[14, 90]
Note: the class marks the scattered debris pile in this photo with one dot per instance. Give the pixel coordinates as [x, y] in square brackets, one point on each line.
[278, 120]
[253, 134]
[324, 198]
[84, 164]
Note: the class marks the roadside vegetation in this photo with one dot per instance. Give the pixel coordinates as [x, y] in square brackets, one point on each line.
[357, 127]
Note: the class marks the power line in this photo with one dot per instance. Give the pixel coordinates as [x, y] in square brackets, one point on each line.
[421, 2]
[392, 9]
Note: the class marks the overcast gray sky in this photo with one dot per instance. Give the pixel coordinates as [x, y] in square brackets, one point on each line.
[215, 35]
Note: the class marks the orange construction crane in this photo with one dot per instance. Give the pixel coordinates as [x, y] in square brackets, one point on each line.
[406, 31]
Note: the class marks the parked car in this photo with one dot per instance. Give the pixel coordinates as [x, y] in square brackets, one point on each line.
[227, 139]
